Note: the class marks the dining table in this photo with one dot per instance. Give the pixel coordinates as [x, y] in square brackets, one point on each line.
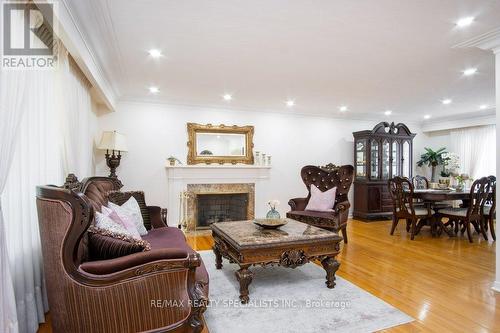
[435, 195]
[431, 196]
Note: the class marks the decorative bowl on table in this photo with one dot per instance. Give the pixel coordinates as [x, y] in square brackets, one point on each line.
[270, 223]
[443, 186]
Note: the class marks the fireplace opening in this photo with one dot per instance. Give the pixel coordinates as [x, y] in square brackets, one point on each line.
[221, 207]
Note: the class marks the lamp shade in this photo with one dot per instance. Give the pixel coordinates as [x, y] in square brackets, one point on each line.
[112, 140]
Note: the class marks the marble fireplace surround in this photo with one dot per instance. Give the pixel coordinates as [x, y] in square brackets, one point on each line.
[196, 189]
[217, 178]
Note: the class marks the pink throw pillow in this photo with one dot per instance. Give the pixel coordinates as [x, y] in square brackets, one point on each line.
[121, 219]
[321, 201]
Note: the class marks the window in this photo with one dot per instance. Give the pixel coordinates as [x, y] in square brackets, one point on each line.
[476, 147]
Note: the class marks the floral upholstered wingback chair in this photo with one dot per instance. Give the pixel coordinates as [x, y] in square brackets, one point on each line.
[325, 178]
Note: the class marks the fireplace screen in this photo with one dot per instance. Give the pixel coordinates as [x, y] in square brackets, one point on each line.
[221, 208]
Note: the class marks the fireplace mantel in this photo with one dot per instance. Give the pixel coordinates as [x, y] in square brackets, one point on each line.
[179, 176]
[218, 166]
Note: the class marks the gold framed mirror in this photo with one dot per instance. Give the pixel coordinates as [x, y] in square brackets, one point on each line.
[219, 144]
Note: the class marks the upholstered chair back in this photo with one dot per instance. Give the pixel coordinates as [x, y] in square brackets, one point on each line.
[91, 193]
[327, 177]
[97, 190]
[63, 217]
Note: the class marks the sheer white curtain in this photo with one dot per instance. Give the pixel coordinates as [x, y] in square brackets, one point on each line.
[37, 160]
[476, 147]
[75, 105]
[54, 138]
[12, 97]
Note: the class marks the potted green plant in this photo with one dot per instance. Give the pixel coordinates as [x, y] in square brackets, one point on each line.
[461, 179]
[432, 159]
[444, 180]
[172, 160]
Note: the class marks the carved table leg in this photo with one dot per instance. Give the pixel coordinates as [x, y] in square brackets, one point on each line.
[218, 257]
[331, 265]
[244, 276]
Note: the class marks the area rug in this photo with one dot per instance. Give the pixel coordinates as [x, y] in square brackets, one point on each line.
[293, 300]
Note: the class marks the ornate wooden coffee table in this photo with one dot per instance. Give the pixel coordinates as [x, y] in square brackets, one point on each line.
[292, 245]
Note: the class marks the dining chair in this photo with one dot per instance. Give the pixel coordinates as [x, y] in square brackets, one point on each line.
[419, 183]
[403, 207]
[489, 209]
[422, 183]
[473, 214]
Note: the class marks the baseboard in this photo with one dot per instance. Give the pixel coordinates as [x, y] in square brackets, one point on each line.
[496, 286]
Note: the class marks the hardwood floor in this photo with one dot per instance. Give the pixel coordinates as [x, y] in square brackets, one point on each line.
[444, 283]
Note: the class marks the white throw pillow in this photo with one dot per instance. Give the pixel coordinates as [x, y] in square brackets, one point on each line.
[127, 222]
[131, 210]
[321, 201]
[105, 222]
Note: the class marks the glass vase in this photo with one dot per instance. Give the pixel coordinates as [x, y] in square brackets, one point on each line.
[273, 214]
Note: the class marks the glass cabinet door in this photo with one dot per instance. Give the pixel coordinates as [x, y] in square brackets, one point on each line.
[395, 159]
[361, 158]
[385, 159]
[406, 159]
[374, 154]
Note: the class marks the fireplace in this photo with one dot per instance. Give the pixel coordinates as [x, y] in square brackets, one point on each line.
[209, 203]
[220, 208]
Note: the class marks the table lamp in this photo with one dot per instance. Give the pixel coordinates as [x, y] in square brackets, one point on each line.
[116, 143]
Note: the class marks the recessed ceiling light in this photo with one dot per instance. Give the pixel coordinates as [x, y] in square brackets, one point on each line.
[483, 107]
[227, 97]
[465, 22]
[290, 102]
[427, 116]
[388, 112]
[155, 53]
[470, 71]
[154, 90]
[343, 108]
[446, 101]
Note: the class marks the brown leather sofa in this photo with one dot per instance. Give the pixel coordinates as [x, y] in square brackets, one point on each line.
[325, 178]
[164, 289]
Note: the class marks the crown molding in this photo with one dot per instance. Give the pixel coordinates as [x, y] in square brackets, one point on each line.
[70, 34]
[487, 41]
[334, 115]
[470, 119]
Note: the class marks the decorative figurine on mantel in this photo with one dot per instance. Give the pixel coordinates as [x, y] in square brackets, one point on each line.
[172, 160]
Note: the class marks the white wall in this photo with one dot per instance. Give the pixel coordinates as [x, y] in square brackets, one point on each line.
[156, 131]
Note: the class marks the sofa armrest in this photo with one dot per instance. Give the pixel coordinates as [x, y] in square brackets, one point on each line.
[158, 276]
[298, 203]
[111, 266]
[158, 216]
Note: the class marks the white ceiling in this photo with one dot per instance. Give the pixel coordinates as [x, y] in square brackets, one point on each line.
[370, 55]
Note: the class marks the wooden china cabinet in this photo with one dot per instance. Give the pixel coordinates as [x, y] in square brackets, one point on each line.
[379, 154]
